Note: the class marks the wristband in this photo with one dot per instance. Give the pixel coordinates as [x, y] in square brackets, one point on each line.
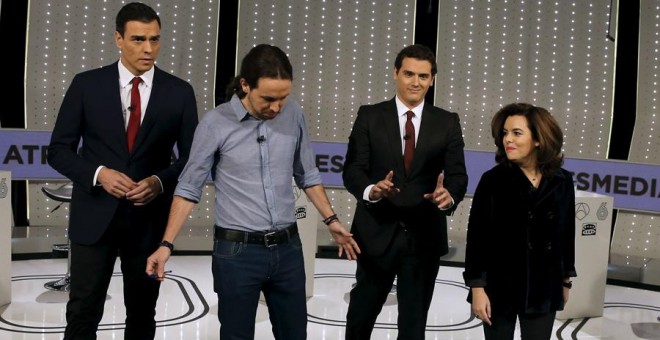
[169, 245]
[568, 284]
[330, 219]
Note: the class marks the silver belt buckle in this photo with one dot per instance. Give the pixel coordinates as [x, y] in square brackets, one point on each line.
[268, 240]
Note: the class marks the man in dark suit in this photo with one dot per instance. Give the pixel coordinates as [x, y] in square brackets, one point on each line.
[406, 167]
[123, 178]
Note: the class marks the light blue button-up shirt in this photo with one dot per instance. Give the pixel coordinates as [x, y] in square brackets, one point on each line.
[255, 161]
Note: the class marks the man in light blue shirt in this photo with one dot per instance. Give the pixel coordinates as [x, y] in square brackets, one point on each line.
[252, 146]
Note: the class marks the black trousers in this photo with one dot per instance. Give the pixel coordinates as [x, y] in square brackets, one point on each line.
[415, 273]
[532, 326]
[92, 268]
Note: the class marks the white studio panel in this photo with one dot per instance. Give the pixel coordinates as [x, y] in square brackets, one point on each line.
[553, 54]
[68, 37]
[342, 54]
[636, 234]
[646, 134]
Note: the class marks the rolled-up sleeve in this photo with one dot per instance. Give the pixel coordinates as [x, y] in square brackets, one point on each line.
[197, 171]
[305, 172]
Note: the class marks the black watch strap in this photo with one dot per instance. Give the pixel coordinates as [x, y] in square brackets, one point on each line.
[167, 244]
[568, 284]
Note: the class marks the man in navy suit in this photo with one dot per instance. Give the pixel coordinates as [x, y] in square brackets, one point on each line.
[400, 223]
[122, 189]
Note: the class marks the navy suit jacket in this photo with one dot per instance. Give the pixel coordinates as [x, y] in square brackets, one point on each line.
[92, 111]
[375, 148]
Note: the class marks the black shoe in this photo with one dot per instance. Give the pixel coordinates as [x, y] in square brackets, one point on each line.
[61, 285]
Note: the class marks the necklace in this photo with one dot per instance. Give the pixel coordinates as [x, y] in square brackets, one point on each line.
[532, 178]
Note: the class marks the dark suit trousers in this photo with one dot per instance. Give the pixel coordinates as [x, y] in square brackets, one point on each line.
[415, 273]
[92, 268]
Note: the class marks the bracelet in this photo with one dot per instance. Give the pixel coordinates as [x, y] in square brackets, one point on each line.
[568, 284]
[330, 219]
[168, 245]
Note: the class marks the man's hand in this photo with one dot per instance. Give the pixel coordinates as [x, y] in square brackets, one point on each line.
[146, 190]
[345, 240]
[384, 188]
[115, 183]
[440, 196]
[156, 263]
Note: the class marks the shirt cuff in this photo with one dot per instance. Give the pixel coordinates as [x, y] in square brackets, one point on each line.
[162, 190]
[450, 206]
[96, 183]
[365, 194]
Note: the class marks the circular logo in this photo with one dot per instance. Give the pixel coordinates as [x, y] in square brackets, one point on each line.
[602, 211]
[581, 210]
[297, 192]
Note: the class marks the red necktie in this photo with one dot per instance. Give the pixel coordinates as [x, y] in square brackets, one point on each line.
[135, 113]
[409, 137]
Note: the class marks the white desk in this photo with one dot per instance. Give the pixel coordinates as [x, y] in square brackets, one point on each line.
[308, 218]
[5, 237]
[593, 223]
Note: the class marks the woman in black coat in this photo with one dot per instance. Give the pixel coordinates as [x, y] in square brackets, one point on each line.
[521, 232]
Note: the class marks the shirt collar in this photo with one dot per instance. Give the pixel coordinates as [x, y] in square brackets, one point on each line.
[401, 108]
[126, 77]
[239, 110]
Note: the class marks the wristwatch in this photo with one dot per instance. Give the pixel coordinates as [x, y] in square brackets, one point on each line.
[166, 244]
[568, 284]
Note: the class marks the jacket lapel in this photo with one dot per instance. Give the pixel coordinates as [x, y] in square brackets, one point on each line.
[150, 115]
[391, 120]
[113, 118]
[424, 137]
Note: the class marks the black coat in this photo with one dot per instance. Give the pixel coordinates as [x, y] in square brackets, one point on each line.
[521, 241]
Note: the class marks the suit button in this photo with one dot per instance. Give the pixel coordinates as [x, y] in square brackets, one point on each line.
[549, 246]
[529, 245]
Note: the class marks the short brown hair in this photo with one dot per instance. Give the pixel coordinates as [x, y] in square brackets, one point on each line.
[419, 52]
[545, 130]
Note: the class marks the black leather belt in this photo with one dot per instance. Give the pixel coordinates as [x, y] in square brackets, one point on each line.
[268, 239]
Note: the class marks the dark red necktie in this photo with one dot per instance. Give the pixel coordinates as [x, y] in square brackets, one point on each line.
[409, 138]
[135, 113]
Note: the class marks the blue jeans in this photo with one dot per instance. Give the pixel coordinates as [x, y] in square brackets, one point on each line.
[242, 270]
